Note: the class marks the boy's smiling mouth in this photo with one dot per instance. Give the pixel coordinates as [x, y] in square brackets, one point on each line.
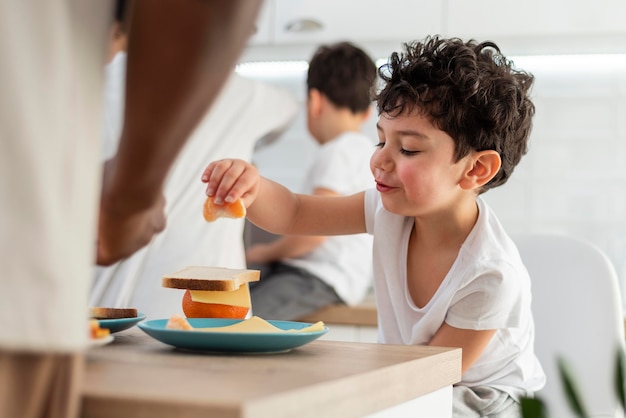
[382, 187]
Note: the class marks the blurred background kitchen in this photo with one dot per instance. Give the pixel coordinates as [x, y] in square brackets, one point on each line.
[573, 179]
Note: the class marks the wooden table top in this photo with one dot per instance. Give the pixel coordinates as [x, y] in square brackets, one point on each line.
[361, 314]
[137, 376]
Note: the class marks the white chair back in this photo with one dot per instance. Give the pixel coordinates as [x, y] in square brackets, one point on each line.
[578, 316]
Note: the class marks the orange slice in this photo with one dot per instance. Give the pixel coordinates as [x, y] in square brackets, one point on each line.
[194, 309]
[95, 331]
[211, 211]
[178, 322]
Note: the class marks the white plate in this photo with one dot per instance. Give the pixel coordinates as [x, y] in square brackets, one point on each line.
[97, 342]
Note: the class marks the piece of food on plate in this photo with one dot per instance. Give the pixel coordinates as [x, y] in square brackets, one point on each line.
[178, 322]
[99, 312]
[213, 292]
[253, 325]
[211, 211]
[95, 331]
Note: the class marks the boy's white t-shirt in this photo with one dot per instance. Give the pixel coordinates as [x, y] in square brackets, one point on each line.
[344, 262]
[487, 287]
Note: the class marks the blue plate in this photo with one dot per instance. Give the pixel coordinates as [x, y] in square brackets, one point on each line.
[116, 325]
[244, 342]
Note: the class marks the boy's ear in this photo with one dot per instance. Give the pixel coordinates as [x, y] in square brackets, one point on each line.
[315, 102]
[367, 113]
[483, 166]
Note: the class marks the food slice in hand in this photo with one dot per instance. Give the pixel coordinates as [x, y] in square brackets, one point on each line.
[211, 211]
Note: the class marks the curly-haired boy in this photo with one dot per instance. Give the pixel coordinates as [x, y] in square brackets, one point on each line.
[454, 121]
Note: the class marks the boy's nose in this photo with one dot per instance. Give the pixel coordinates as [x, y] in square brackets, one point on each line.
[381, 160]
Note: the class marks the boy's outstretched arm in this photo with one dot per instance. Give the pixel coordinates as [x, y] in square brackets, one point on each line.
[276, 209]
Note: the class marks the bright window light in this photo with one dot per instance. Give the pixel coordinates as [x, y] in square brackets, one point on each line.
[381, 61]
[272, 68]
[588, 63]
[591, 63]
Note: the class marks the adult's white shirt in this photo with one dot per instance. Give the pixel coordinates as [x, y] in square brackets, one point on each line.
[244, 113]
[487, 287]
[51, 76]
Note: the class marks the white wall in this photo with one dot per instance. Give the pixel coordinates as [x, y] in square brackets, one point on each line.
[573, 180]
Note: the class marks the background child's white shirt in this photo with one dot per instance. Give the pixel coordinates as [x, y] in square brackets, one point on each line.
[487, 288]
[244, 113]
[114, 96]
[343, 262]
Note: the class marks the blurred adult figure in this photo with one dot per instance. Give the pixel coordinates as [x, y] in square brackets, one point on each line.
[57, 212]
[247, 114]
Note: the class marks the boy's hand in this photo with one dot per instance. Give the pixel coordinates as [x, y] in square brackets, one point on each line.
[227, 180]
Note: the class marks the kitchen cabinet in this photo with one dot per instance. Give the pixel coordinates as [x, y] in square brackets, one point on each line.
[378, 27]
[496, 18]
[529, 27]
[400, 20]
[355, 20]
[263, 29]
[362, 20]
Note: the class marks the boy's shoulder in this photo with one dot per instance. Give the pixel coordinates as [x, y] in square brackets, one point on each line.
[489, 240]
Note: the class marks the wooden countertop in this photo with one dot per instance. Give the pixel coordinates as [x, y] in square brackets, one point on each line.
[362, 314]
[137, 376]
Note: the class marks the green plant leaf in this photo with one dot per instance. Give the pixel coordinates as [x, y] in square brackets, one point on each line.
[571, 390]
[533, 408]
[619, 377]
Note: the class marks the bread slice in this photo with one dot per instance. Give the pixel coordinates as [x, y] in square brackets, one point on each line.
[210, 278]
[98, 312]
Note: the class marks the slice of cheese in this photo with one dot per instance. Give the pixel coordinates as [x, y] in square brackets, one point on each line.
[259, 325]
[239, 297]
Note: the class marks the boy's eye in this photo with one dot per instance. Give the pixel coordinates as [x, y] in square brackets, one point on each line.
[380, 145]
[407, 152]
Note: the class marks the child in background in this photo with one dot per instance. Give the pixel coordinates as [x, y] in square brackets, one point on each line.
[454, 121]
[301, 274]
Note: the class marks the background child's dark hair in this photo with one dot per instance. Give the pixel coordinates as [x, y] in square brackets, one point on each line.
[469, 90]
[119, 11]
[345, 74]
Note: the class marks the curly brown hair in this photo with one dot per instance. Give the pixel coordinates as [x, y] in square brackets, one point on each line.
[468, 90]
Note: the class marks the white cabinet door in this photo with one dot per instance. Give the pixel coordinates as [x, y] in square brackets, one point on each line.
[534, 18]
[357, 20]
[263, 30]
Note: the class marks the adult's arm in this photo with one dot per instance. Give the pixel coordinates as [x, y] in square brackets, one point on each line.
[179, 55]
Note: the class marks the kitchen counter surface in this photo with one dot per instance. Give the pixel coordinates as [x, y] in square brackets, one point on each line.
[137, 376]
[362, 314]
